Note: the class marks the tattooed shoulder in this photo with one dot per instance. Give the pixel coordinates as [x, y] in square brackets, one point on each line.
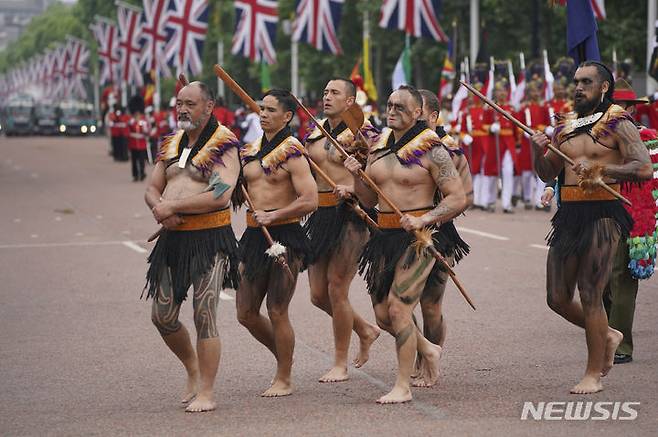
[441, 159]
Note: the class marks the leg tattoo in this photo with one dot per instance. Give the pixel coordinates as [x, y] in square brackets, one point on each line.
[165, 310]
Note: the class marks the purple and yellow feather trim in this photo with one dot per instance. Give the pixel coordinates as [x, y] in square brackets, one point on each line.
[604, 127]
[289, 148]
[208, 156]
[414, 150]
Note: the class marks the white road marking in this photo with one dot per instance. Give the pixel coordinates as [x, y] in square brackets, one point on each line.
[34, 236]
[99, 217]
[224, 296]
[125, 232]
[58, 219]
[134, 246]
[17, 220]
[540, 246]
[68, 244]
[79, 234]
[137, 215]
[482, 234]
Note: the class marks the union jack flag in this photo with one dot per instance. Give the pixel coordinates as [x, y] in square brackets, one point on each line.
[78, 68]
[416, 17]
[317, 23]
[60, 66]
[130, 48]
[188, 22]
[255, 29]
[107, 38]
[154, 37]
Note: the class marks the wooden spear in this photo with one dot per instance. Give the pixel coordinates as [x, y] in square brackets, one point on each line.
[247, 100]
[365, 178]
[529, 131]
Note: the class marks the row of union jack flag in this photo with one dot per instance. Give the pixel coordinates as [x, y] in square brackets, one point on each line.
[164, 36]
[167, 37]
[60, 72]
[317, 22]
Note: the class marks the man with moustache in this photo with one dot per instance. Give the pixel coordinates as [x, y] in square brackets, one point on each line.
[280, 184]
[408, 163]
[605, 145]
[336, 232]
[189, 193]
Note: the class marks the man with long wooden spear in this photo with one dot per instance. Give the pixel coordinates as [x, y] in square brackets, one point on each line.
[407, 164]
[592, 149]
[337, 233]
[281, 190]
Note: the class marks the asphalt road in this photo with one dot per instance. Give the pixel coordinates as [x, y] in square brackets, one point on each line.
[79, 356]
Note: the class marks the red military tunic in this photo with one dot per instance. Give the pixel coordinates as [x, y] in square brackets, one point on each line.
[138, 129]
[651, 111]
[534, 115]
[506, 141]
[474, 124]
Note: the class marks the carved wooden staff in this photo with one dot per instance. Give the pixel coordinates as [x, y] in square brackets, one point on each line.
[276, 250]
[529, 131]
[247, 100]
[418, 234]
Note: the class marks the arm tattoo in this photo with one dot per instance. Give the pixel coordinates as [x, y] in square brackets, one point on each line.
[441, 210]
[446, 168]
[217, 185]
[634, 153]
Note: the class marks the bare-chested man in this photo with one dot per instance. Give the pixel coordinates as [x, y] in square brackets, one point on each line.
[282, 188]
[408, 163]
[604, 143]
[189, 193]
[454, 248]
[337, 234]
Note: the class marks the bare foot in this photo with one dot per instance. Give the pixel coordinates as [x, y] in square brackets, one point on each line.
[417, 372]
[364, 346]
[278, 389]
[614, 338]
[398, 395]
[190, 388]
[429, 368]
[588, 385]
[336, 374]
[203, 402]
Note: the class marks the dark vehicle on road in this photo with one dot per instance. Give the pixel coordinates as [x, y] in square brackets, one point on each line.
[77, 118]
[46, 118]
[18, 116]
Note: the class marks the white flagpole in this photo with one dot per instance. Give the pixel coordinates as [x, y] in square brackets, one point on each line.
[652, 17]
[221, 88]
[294, 67]
[475, 30]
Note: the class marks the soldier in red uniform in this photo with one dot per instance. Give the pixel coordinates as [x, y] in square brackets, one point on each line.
[534, 115]
[138, 128]
[118, 139]
[476, 142]
[502, 157]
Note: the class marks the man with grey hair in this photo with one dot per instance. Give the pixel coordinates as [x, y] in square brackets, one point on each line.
[189, 193]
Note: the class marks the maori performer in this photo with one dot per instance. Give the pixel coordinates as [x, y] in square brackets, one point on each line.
[409, 163]
[602, 140]
[431, 301]
[189, 192]
[280, 184]
[336, 232]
